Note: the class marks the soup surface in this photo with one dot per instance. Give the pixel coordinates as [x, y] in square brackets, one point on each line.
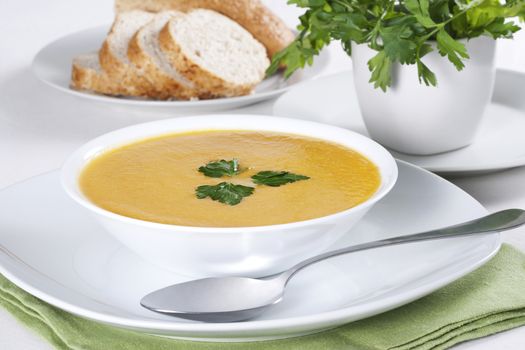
[156, 179]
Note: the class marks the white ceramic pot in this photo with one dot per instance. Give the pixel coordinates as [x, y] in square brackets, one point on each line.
[415, 119]
[247, 251]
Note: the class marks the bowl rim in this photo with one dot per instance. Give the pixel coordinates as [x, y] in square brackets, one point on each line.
[69, 171]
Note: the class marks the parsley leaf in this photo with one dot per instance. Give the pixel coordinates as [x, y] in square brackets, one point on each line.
[293, 57]
[439, 10]
[380, 66]
[276, 178]
[501, 29]
[397, 43]
[451, 48]
[425, 74]
[221, 168]
[420, 9]
[225, 192]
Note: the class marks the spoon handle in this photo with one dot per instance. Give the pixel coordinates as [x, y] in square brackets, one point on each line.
[499, 221]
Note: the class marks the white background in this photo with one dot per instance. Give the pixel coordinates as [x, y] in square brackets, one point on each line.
[39, 127]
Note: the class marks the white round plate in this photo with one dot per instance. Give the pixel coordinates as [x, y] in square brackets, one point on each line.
[52, 65]
[500, 143]
[51, 248]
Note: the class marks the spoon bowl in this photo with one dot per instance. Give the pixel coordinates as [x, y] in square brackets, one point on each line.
[226, 299]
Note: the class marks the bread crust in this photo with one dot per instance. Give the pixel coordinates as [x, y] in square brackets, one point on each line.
[202, 78]
[130, 79]
[88, 79]
[166, 87]
[253, 15]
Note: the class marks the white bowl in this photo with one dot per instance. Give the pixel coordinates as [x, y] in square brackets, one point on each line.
[247, 251]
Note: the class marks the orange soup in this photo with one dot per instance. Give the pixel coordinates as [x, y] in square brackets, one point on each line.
[229, 178]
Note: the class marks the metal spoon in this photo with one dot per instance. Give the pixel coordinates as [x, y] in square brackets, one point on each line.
[230, 299]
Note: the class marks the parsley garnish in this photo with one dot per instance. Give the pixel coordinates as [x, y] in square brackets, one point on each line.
[232, 194]
[221, 168]
[225, 192]
[400, 31]
[276, 178]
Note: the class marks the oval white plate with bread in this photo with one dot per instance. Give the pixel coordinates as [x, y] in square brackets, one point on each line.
[53, 66]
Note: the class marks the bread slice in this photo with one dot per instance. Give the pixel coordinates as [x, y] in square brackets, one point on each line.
[113, 55]
[253, 15]
[87, 75]
[214, 52]
[144, 52]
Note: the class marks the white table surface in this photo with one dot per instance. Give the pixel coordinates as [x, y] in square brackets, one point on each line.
[39, 127]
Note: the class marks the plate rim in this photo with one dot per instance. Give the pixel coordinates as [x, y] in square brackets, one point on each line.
[205, 331]
[317, 71]
[450, 169]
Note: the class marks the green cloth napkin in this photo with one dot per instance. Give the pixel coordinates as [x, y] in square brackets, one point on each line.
[489, 300]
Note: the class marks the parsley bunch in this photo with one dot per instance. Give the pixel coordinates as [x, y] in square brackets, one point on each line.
[400, 31]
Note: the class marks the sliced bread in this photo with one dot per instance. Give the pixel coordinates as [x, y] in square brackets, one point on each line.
[253, 15]
[144, 52]
[114, 52]
[87, 75]
[214, 52]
